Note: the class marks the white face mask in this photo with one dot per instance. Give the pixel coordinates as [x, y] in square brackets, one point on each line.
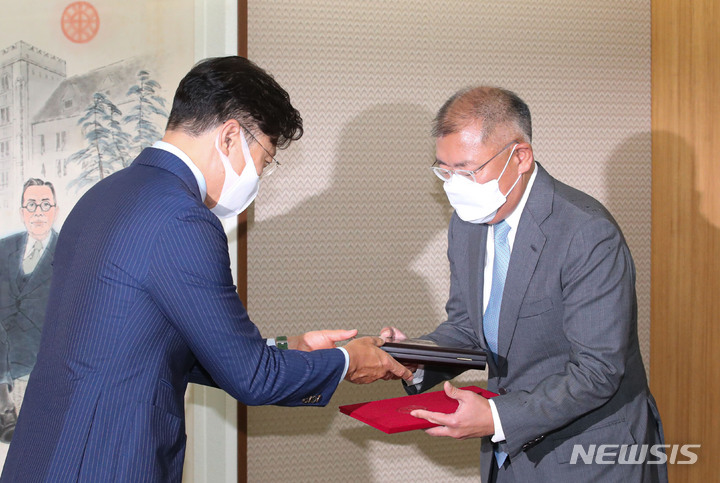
[477, 202]
[237, 191]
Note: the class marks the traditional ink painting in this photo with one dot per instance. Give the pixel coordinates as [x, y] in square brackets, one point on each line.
[84, 87]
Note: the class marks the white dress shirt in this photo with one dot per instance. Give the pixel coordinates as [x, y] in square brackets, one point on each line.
[30, 245]
[172, 149]
[513, 220]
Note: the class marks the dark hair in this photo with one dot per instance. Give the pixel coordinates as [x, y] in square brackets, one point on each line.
[489, 106]
[223, 88]
[36, 182]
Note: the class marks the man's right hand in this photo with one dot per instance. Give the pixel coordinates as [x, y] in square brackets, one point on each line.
[368, 362]
[392, 334]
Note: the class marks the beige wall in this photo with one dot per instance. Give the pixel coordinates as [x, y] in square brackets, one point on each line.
[351, 231]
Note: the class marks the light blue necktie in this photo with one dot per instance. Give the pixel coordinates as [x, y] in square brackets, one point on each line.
[500, 266]
[492, 313]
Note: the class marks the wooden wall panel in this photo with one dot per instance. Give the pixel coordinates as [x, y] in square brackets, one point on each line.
[685, 293]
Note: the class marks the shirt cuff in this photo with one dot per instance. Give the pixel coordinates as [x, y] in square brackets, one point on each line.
[499, 433]
[347, 362]
[418, 377]
[271, 342]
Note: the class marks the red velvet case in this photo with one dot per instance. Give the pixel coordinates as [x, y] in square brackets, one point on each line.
[393, 415]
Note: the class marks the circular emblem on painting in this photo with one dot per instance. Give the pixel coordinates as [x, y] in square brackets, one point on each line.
[80, 22]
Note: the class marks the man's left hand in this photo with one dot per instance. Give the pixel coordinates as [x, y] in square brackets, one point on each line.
[473, 418]
[319, 339]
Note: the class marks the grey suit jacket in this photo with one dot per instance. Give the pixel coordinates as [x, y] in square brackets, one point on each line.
[22, 305]
[569, 368]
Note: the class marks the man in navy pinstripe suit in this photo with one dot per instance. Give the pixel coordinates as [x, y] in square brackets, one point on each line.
[142, 299]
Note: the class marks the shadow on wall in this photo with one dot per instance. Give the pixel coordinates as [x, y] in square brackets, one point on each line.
[627, 172]
[347, 264]
[692, 225]
[685, 307]
[628, 164]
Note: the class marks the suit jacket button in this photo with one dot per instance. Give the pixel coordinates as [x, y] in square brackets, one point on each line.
[502, 391]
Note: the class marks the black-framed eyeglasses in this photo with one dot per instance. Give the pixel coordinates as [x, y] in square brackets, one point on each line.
[445, 174]
[269, 168]
[32, 206]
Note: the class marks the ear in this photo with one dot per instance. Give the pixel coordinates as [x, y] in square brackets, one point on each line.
[524, 153]
[229, 133]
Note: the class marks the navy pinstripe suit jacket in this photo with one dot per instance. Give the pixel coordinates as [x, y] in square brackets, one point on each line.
[142, 302]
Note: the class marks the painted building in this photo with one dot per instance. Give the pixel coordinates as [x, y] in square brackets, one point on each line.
[40, 120]
[27, 78]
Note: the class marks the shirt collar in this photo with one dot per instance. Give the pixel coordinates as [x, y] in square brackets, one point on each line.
[514, 218]
[172, 149]
[31, 243]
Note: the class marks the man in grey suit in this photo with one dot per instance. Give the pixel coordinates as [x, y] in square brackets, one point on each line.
[25, 272]
[542, 279]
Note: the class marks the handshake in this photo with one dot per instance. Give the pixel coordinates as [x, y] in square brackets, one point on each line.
[368, 362]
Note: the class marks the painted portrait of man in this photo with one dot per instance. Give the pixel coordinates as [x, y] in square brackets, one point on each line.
[25, 272]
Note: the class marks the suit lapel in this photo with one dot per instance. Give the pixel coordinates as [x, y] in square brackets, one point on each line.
[528, 245]
[476, 259]
[523, 260]
[15, 262]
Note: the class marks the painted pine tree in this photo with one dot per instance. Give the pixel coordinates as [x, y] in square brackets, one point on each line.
[120, 139]
[144, 113]
[104, 152]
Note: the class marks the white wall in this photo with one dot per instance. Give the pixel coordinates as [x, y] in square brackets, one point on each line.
[211, 415]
